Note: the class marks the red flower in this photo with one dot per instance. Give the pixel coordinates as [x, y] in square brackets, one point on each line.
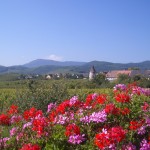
[122, 98]
[52, 116]
[13, 110]
[134, 125]
[112, 136]
[61, 108]
[72, 129]
[101, 98]
[90, 101]
[94, 99]
[89, 98]
[4, 119]
[145, 106]
[30, 147]
[39, 125]
[31, 113]
[125, 111]
[117, 134]
[102, 140]
[111, 109]
[131, 86]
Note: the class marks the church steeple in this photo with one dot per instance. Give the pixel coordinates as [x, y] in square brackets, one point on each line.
[92, 73]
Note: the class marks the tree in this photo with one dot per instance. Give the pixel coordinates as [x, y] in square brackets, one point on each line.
[99, 79]
[137, 78]
[123, 78]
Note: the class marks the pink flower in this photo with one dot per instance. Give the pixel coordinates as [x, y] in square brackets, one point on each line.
[148, 121]
[13, 131]
[76, 139]
[50, 107]
[73, 100]
[121, 87]
[3, 142]
[28, 124]
[94, 95]
[96, 117]
[15, 119]
[19, 136]
[65, 118]
[145, 107]
[129, 146]
[145, 145]
[142, 130]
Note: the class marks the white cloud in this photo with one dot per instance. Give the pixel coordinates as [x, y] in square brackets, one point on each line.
[55, 57]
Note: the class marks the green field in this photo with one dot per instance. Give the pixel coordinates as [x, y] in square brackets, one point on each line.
[36, 92]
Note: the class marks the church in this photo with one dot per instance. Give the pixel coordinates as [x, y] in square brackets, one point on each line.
[92, 73]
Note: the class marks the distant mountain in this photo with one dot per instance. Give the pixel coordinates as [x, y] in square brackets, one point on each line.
[50, 69]
[17, 69]
[14, 69]
[44, 62]
[3, 69]
[108, 66]
[41, 66]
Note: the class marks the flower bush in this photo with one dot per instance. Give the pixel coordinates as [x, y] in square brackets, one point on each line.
[118, 120]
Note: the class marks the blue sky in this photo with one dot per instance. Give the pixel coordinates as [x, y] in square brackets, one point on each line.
[77, 30]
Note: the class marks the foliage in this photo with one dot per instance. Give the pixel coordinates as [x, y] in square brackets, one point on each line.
[99, 79]
[9, 77]
[140, 80]
[6, 98]
[39, 95]
[123, 78]
[115, 119]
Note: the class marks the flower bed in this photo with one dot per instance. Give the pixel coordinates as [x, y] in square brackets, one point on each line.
[118, 120]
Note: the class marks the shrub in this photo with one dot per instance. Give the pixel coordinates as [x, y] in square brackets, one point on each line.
[40, 96]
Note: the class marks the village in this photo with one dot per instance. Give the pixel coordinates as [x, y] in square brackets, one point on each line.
[109, 75]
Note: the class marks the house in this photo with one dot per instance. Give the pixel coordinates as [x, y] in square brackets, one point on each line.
[49, 76]
[113, 75]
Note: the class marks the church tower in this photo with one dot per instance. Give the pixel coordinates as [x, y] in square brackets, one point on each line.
[92, 73]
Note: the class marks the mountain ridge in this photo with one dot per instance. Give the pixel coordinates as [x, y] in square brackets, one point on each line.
[50, 66]
[43, 62]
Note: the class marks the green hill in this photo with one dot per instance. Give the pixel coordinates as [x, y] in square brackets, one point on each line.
[99, 66]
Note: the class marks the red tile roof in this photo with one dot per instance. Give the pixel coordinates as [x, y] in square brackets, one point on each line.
[115, 73]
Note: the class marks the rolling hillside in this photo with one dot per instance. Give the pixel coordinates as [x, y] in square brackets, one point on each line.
[45, 62]
[40, 67]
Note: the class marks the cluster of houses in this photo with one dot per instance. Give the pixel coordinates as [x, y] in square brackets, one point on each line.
[66, 75]
[110, 75]
[28, 76]
[113, 75]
